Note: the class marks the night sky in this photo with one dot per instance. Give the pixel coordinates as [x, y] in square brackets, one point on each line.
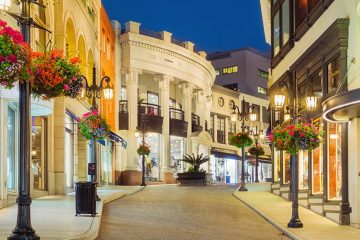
[213, 25]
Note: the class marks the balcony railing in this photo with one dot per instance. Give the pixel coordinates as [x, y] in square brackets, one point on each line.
[149, 109]
[176, 114]
[195, 123]
[221, 136]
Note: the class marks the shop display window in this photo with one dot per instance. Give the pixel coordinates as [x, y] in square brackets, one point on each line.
[334, 161]
[286, 168]
[303, 157]
[317, 167]
[276, 165]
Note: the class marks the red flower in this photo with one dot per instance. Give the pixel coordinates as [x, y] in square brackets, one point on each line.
[3, 23]
[2, 59]
[12, 58]
[75, 60]
[291, 133]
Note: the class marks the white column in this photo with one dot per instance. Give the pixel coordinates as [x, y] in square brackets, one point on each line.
[208, 105]
[164, 95]
[187, 91]
[215, 128]
[227, 123]
[132, 80]
[200, 106]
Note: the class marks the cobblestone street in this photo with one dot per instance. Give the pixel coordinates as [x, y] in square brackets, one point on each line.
[172, 212]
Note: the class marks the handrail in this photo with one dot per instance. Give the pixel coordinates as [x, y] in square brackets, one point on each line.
[176, 113]
[149, 109]
[195, 119]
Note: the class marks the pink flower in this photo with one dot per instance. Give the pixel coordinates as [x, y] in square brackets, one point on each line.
[86, 114]
[302, 134]
[66, 87]
[311, 139]
[95, 112]
[271, 137]
[3, 23]
[12, 58]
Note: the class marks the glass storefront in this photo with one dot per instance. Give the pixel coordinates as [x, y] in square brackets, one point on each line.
[107, 162]
[152, 162]
[286, 168]
[317, 167]
[11, 148]
[69, 151]
[224, 170]
[303, 157]
[334, 161]
[39, 152]
[277, 158]
[177, 151]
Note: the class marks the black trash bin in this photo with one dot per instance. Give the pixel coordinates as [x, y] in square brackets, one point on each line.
[85, 198]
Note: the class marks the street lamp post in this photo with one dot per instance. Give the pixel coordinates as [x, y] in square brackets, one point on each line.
[95, 91]
[142, 132]
[242, 116]
[311, 100]
[23, 228]
[256, 137]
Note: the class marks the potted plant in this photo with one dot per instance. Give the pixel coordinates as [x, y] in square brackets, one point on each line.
[55, 75]
[92, 125]
[241, 139]
[295, 137]
[256, 150]
[15, 57]
[193, 174]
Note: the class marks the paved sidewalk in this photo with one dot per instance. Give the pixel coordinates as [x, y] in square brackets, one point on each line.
[53, 217]
[277, 211]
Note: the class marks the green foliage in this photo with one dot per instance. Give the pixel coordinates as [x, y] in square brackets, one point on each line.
[241, 139]
[256, 150]
[143, 149]
[195, 162]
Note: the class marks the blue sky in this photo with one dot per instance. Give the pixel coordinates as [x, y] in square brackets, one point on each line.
[213, 25]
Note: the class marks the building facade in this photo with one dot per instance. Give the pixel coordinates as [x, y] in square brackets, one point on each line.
[244, 70]
[314, 47]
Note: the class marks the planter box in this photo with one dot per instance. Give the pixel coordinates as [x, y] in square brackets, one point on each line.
[193, 178]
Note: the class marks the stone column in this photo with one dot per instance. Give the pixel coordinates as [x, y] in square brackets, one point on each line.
[132, 173]
[187, 91]
[164, 94]
[227, 123]
[200, 107]
[215, 128]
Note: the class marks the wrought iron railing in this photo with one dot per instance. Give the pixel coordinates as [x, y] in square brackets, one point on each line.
[176, 114]
[149, 109]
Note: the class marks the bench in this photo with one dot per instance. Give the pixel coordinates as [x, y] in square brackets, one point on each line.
[192, 178]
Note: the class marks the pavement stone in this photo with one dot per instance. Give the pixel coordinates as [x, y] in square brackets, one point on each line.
[53, 217]
[277, 211]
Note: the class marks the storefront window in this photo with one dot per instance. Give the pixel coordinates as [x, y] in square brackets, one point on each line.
[153, 98]
[177, 151]
[317, 167]
[224, 170]
[276, 165]
[39, 152]
[152, 162]
[69, 151]
[286, 168]
[276, 34]
[334, 161]
[303, 157]
[285, 22]
[11, 149]
[301, 11]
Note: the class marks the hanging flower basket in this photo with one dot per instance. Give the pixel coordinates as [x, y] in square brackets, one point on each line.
[93, 125]
[143, 149]
[295, 137]
[55, 75]
[241, 139]
[15, 57]
[256, 150]
[251, 161]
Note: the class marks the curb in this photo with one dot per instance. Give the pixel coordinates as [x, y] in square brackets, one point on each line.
[283, 229]
[93, 231]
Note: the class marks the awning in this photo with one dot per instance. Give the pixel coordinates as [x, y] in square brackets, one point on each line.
[342, 107]
[116, 138]
[222, 154]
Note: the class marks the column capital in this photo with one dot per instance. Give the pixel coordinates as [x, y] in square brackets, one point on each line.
[187, 89]
[164, 81]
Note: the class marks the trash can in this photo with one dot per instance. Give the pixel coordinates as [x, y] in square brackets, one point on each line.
[85, 193]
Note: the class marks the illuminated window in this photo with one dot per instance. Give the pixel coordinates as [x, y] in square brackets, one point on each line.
[230, 70]
[262, 73]
[217, 72]
[335, 147]
[262, 90]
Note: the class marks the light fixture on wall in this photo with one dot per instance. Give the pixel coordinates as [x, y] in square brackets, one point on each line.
[279, 100]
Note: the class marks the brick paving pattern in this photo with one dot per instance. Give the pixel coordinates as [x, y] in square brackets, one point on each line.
[181, 213]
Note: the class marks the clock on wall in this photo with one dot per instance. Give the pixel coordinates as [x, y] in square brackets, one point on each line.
[231, 104]
[221, 101]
